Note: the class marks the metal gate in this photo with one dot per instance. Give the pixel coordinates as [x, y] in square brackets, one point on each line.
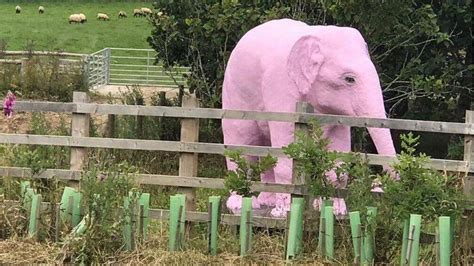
[97, 68]
[137, 66]
[127, 66]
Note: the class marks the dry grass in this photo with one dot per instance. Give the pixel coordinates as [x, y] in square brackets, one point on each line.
[268, 250]
[27, 251]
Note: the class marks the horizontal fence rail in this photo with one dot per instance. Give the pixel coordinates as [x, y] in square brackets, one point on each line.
[224, 218]
[195, 216]
[209, 113]
[195, 147]
[174, 181]
[40, 53]
[163, 180]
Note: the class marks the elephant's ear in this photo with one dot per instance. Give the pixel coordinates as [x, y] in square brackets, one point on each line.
[304, 61]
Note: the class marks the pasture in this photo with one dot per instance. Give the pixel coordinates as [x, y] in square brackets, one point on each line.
[51, 30]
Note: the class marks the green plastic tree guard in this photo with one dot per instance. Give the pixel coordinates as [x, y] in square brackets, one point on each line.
[329, 216]
[131, 206]
[71, 211]
[214, 206]
[406, 230]
[33, 227]
[324, 204]
[23, 186]
[445, 240]
[28, 198]
[414, 246]
[295, 231]
[356, 236]
[369, 238]
[127, 226]
[452, 228]
[176, 222]
[246, 226]
[144, 202]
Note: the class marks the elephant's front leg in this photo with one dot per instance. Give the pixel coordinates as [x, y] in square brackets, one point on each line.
[281, 135]
[340, 137]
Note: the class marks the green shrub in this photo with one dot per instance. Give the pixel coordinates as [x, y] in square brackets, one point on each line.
[241, 179]
[313, 159]
[420, 190]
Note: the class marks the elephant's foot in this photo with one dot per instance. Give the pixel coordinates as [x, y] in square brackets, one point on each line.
[267, 199]
[339, 206]
[234, 203]
[282, 205]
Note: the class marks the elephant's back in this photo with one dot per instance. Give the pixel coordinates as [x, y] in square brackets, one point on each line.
[265, 45]
[272, 38]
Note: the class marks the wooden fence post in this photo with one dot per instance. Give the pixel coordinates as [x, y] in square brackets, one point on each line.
[469, 156]
[23, 67]
[468, 224]
[160, 119]
[188, 162]
[109, 131]
[79, 128]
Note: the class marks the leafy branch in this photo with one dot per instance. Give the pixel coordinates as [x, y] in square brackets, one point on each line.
[314, 160]
[247, 172]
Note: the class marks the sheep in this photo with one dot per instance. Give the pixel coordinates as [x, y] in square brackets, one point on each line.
[83, 17]
[41, 9]
[77, 18]
[146, 11]
[102, 16]
[18, 9]
[138, 13]
[122, 14]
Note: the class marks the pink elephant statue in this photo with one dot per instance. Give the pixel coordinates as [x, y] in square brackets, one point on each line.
[282, 62]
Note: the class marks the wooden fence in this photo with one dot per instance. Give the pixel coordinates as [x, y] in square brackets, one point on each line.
[67, 62]
[189, 147]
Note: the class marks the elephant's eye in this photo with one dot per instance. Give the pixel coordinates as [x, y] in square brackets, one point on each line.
[350, 80]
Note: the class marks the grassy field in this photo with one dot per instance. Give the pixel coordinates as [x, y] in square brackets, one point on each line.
[51, 30]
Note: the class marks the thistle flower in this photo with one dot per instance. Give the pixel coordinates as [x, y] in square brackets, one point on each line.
[9, 104]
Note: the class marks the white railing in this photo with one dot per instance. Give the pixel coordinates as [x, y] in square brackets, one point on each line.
[137, 66]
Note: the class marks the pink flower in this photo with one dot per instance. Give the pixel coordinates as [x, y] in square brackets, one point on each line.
[9, 104]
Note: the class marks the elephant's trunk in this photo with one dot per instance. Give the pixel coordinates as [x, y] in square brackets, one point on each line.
[382, 140]
[373, 106]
